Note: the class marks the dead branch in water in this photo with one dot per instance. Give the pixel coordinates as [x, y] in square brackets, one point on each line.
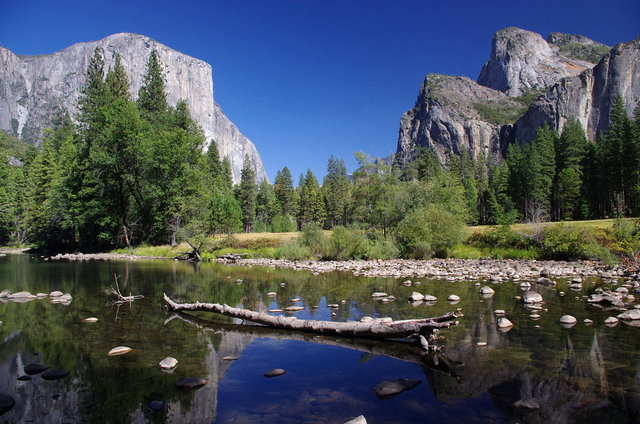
[375, 329]
[120, 297]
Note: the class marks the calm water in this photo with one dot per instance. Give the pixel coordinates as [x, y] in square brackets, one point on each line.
[582, 374]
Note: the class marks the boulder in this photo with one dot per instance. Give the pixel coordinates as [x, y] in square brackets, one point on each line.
[274, 372]
[357, 420]
[55, 374]
[504, 323]
[190, 383]
[168, 363]
[415, 296]
[568, 319]
[119, 350]
[531, 296]
[486, 290]
[631, 314]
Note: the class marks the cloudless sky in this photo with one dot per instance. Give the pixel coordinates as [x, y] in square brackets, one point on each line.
[308, 79]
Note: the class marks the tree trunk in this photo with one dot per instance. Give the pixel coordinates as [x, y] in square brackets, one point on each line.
[375, 329]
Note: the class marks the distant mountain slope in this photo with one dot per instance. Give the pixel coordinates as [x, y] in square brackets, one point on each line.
[35, 90]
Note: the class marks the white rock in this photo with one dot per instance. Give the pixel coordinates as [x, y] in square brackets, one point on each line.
[487, 290]
[481, 344]
[611, 320]
[119, 350]
[453, 298]
[168, 363]
[499, 312]
[631, 314]
[568, 319]
[55, 294]
[429, 298]
[504, 323]
[415, 296]
[90, 319]
[379, 294]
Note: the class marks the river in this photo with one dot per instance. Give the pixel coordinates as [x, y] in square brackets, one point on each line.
[586, 373]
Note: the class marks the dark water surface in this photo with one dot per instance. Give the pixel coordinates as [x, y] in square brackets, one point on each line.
[581, 374]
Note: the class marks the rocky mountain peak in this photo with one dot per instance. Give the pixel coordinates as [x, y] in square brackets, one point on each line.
[522, 61]
[35, 90]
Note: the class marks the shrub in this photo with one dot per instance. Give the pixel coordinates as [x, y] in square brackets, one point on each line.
[314, 239]
[501, 236]
[382, 249]
[283, 224]
[292, 250]
[429, 231]
[347, 244]
[566, 242]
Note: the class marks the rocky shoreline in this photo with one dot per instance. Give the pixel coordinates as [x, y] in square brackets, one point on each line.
[445, 269]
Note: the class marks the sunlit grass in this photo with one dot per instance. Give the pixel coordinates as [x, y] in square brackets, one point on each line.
[465, 251]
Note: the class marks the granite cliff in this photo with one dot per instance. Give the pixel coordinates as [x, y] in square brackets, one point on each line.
[35, 90]
[528, 81]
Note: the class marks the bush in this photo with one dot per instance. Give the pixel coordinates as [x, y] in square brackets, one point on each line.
[314, 239]
[566, 242]
[429, 231]
[627, 234]
[346, 244]
[292, 250]
[382, 249]
[502, 237]
[283, 224]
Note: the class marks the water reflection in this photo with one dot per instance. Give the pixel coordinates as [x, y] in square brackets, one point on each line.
[538, 371]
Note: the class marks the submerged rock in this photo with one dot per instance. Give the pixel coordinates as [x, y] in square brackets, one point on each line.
[156, 405]
[190, 383]
[274, 372]
[55, 374]
[32, 369]
[24, 378]
[6, 403]
[388, 389]
[531, 296]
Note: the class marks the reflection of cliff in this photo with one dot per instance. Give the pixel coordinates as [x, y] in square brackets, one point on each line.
[204, 401]
[567, 385]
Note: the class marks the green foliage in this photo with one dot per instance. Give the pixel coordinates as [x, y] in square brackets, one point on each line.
[283, 224]
[346, 244]
[152, 98]
[499, 112]
[314, 239]
[336, 192]
[285, 194]
[248, 193]
[429, 231]
[566, 242]
[501, 237]
[587, 52]
[293, 251]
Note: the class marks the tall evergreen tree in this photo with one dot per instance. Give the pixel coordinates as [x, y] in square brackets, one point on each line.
[248, 194]
[570, 150]
[285, 193]
[266, 204]
[336, 192]
[152, 98]
[117, 82]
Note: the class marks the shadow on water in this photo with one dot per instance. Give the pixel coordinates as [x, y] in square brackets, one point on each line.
[536, 372]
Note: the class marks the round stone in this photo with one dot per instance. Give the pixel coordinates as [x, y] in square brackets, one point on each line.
[453, 298]
[6, 403]
[481, 344]
[32, 369]
[568, 319]
[504, 323]
[156, 405]
[168, 363]
[90, 319]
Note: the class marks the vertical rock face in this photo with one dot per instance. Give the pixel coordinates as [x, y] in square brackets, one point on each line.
[454, 114]
[35, 90]
[587, 96]
[522, 61]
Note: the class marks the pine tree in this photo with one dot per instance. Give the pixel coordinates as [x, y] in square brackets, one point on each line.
[152, 98]
[117, 82]
[248, 195]
[336, 191]
[285, 193]
[311, 207]
[570, 150]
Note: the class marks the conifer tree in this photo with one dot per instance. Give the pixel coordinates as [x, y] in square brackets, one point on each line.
[152, 98]
[117, 82]
[248, 195]
[336, 191]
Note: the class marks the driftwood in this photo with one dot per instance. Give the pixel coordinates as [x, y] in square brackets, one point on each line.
[120, 297]
[376, 329]
[193, 256]
[391, 348]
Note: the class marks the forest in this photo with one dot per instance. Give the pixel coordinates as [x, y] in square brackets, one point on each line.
[125, 172]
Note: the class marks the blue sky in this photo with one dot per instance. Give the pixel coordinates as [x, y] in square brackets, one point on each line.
[307, 79]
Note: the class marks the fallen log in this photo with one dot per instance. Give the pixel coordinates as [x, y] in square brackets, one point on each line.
[391, 348]
[376, 329]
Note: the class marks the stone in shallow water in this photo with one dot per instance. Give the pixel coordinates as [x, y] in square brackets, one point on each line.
[294, 308]
[531, 297]
[568, 319]
[487, 290]
[6, 403]
[528, 403]
[119, 350]
[631, 314]
[388, 389]
[168, 363]
[156, 405]
[190, 383]
[274, 372]
[32, 369]
[453, 298]
[90, 319]
[55, 374]
[230, 358]
[24, 378]
[504, 323]
[611, 321]
[415, 296]
[357, 420]
[55, 294]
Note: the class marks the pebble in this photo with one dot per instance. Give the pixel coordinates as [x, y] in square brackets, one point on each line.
[611, 321]
[274, 372]
[275, 311]
[230, 358]
[294, 308]
[499, 312]
[90, 319]
[415, 296]
[379, 294]
[587, 321]
[504, 323]
[24, 378]
[453, 298]
[271, 294]
[156, 405]
[55, 294]
[481, 344]
[487, 290]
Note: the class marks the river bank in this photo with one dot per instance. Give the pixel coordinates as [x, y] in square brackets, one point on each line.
[446, 269]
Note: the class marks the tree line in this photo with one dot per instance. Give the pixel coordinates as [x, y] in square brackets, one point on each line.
[132, 171]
